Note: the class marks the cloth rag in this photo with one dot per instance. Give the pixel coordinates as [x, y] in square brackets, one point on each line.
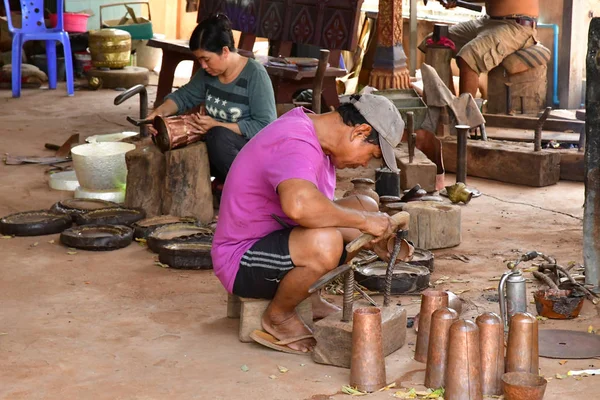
[464, 110]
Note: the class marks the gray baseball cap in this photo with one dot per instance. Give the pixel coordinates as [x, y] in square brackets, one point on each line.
[382, 115]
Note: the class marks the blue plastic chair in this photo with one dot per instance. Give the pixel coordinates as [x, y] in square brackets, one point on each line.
[33, 27]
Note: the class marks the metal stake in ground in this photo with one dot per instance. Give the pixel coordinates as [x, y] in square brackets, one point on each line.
[461, 153]
[537, 142]
[591, 215]
[412, 137]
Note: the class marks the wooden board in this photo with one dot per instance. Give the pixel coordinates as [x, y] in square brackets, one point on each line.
[421, 171]
[525, 135]
[524, 122]
[506, 162]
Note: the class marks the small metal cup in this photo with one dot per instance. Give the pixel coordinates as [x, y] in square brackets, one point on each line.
[367, 368]
[431, 300]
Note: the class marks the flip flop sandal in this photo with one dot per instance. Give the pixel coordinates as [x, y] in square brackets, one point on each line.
[111, 216]
[97, 237]
[178, 233]
[144, 227]
[270, 341]
[75, 207]
[34, 223]
[187, 255]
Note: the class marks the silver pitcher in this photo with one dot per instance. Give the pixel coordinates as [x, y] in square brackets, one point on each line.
[515, 298]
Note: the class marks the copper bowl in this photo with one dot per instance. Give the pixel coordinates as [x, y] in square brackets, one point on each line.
[523, 386]
[558, 304]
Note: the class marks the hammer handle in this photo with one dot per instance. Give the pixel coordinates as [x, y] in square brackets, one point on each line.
[464, 4]
[402, 218]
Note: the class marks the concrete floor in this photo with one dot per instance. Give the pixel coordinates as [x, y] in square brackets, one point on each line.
[115, 326]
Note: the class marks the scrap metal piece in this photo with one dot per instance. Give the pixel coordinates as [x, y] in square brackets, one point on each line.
[328, 277]
[537, 141]
[565, 344]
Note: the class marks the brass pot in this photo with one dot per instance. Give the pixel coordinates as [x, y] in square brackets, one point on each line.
[110, 48]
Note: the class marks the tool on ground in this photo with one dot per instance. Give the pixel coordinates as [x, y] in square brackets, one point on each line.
[132, 91]
[566, 344]
[367, 371]
[65, 149]
[463, 372]
[462, 4]
[537, 141]
[437, 355]
[524, 386]
[522, 348]
[491, 345]
[431, 300]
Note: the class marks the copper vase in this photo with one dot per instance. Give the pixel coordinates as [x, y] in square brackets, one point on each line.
[463, 371]
[363, 186]
[174, 132]
[367, 368]
[431, 300]
[441, 320]
[522, 354]
[491, 347]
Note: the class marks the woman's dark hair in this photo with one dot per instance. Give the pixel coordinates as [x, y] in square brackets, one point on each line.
[352, 117]
[212, 34]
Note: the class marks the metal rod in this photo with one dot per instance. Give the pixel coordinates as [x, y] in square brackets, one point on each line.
[537, 141]
[411, 140]
[591, 214]
[461, 153]
[366, 296]
[412, 57]
[348, 296]
[132, 91]
[483, 132]
[508, 99]
[390, 268]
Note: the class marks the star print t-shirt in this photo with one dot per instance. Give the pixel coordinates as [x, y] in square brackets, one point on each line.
[286, 149]
[248, 100]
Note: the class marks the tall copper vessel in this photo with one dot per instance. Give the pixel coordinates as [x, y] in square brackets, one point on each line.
[437, 357]
[174, 132]
[367, 368]
[431, 300]
[522, 353]
[491, 347]
[463, 371]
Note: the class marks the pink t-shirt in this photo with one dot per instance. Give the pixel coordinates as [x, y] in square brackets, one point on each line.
[288, 148]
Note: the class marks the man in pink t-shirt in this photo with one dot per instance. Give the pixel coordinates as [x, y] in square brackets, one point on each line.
[279, 229]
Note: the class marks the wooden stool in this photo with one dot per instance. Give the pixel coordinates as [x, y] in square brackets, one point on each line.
[250, 312]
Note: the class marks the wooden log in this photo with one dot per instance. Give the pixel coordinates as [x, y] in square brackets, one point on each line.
[506, 162]
[434, 225]
[187, 187]
[145, 178]
[421, 171]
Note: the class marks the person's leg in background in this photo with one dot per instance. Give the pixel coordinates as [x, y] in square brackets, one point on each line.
[223, 146]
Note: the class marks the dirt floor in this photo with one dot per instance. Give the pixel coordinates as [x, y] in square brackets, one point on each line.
[116, 326]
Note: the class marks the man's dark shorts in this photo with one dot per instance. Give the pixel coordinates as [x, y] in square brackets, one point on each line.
[265, 264]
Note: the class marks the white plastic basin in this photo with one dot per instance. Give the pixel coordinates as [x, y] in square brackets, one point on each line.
[101, 166]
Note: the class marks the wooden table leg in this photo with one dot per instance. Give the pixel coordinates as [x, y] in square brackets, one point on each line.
[330, 96]
[170, 61]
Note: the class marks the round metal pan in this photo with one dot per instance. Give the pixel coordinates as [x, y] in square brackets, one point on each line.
[81, 206]
[111, 216]
[407, 278]
[97, 237]
[177, 233]
[34, 223]
[186, 255]
[144, 227]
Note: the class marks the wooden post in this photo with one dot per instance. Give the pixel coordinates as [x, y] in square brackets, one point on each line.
[389, 67]
[572, 51]
[591, 214]
[145, 178]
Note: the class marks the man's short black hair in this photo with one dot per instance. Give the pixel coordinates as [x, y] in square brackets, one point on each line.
[352, 117]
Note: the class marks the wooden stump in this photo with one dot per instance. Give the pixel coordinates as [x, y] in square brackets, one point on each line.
[187, 188]
[145, 178]
[433, 225]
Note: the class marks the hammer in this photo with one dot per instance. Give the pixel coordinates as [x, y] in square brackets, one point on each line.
[462, 4]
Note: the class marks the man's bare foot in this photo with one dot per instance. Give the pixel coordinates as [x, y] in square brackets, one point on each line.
[321, 307]
[288, 327]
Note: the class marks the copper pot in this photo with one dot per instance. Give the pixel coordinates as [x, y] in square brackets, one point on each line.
[367, 368]
[463, 371]
[437, 357]
[365, 187]
[522, 354]
[491, 347]
[174, 132]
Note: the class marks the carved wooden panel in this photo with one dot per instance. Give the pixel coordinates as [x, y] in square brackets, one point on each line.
[330, 24]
